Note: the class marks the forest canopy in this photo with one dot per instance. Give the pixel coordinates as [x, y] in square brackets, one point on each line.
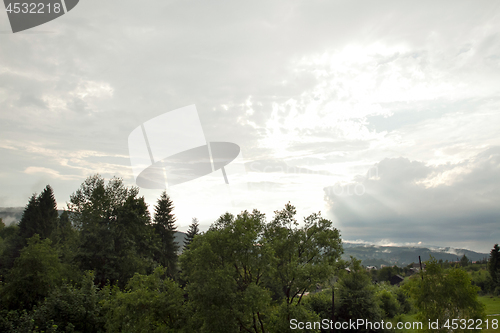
[106, 265]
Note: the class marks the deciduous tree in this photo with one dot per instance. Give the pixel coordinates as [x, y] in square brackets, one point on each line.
[149, 303]
[303, 256]
[444, 295]
[224, 271]
[35, 273]
[115, 230]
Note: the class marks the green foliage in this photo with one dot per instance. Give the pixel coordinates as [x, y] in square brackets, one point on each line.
[9, 231]
[35, 273]
[16, 321]
[244, 256]
[357, 295]
[192, 232]
[65, 239]
[239, 263]
[301, 256]
[483, 280]
[116, 237]
[2, 227]
[164, 226]
[320, 303]
[149, 303]
[385, 273]
[281, 315]
[72, 308]
[224, 269]
[241, 275]
[40, 215]
[404, 301]
[494, 265]
[12, 245]
[389, 304]
[64, 231]
[443, 295]
[464, 261]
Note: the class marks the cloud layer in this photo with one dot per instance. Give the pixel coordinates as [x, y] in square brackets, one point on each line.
[409, 201]
[328, 87]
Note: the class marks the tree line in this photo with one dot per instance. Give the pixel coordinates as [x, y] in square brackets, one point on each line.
[106, 265]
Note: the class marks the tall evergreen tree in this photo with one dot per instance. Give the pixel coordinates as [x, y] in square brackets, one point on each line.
[192, 231]
[165, 228]
[464, 261]
[40, 215]
[494, 264]
[48, 212]
[30, 218]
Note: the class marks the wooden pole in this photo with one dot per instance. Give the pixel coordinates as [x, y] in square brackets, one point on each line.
[420, 262]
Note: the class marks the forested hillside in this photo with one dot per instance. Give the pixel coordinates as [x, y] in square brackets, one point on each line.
[404, 255]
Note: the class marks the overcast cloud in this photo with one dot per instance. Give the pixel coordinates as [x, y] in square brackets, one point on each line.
[317, 94]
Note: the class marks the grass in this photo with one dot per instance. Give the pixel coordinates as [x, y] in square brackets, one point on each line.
[492, 307]
[492, 304]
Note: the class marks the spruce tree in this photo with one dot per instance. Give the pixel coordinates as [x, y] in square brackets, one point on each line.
[165, 228]
[192, 231]
[30, 218]
[48, 212]
[40, 215]
[494, 264]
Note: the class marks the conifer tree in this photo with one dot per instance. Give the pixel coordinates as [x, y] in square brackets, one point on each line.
[494, 264]
[40, 215]
[48, 212]
[192, 231]
[29, 220]
[165, 228]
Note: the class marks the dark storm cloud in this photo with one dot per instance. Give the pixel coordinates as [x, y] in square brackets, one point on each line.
[412, 202]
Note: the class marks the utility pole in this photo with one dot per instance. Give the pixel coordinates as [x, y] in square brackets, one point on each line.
[420, 262]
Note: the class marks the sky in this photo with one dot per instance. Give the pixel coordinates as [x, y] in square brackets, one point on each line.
[382, 115]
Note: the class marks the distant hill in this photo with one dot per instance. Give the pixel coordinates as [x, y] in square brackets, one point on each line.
[369, 254]
[402, 256]
[179, 239]
[11, 215]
